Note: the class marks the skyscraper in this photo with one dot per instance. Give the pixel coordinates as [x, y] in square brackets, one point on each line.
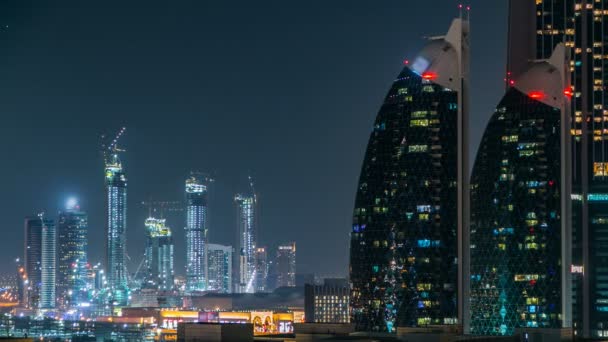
[219, 268]
[409, 236]
[158, 255]
[116, 206]
[72, 230]
[196, 232]
[48, 272]
[519, 232]
[540, 26]
[33, 258]
[261, 267]
[246, 221]
[285, 264]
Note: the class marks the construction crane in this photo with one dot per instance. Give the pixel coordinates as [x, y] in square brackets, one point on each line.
[111, 146]
[162, 206]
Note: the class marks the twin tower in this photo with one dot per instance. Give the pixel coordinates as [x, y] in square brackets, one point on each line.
[521, 245]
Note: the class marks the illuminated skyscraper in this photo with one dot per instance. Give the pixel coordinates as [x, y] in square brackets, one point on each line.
[261, 267]
[285, 265]
[410, 229]
[72, 230]
[33, 258]
[219, 262]
[519, 232]
[246, 221]
[158, 255]
[196, 232]
[536, 27]
[116, 215]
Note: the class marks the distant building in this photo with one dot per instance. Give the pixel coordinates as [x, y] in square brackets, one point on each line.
[116, 218]
[261, 270]
[246, 221]
[286, 265]
[327, 303]
[159, 255]
[72, 230]
[40, 262]
[219, 263]
[197, 221]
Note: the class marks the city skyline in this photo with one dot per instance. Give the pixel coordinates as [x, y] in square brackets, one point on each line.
[315, 158]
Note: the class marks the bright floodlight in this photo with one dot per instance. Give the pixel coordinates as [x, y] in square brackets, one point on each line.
[72, 203]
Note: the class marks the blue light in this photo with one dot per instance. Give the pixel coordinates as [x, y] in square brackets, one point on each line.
[424, 243]
[597, 197]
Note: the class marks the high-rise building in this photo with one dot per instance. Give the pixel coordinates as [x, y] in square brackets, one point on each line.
[519, 232]
[261, 267]
[158, 255]
[72, 230]
[219, 261]
[410, 231]
[536, 28]
[48, 263]
[116, 219]
[285, 264]
[33, 259]
[197, 222]
[327, 303]
[246, 221]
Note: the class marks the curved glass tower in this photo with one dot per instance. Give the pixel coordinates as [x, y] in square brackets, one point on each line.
[519, 218]
[409, 224]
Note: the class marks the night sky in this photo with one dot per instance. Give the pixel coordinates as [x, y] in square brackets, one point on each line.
[285, 91]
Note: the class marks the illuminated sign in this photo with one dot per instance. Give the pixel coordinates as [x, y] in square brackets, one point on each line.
[575, 269]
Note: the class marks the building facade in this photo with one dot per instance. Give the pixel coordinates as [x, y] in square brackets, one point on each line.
[327, 303]
[219, 260]
[285, 264]
[72, 259]
[159, 260]
[538, 27]
[39, 244]
[261, 267]
[246, 221]
[519, 245]
[409, 233]
[116, 218]
[196, 232]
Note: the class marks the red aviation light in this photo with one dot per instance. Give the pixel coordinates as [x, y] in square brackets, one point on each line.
[536, 95]
[427, 75]
[569, 92]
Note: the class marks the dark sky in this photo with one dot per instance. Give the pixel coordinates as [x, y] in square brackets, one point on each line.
[286, 91]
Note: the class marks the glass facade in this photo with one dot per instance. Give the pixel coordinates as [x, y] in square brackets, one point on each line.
[220, 268]
[159, 255]
[72, 230]
[285, 264]
[581, 26]
[246, 211]
[196, 232]
[39, 255]
[516, 219]
[116, 205]
[48, 264]
[261, 267]
[403, 264]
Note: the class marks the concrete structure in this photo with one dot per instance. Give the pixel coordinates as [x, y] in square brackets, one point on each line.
[213, 332]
